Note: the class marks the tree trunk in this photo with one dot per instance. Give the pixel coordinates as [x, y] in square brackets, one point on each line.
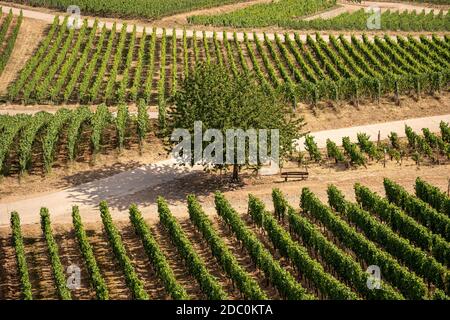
[235, 172]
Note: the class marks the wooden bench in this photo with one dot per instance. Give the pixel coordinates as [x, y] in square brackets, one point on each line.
[303, 175]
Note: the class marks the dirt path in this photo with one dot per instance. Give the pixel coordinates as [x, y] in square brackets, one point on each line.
[142, 185]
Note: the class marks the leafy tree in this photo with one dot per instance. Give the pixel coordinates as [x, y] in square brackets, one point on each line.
[223, 101]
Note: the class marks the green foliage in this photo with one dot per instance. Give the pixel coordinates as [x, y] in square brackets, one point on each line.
[368, 146]
[19, 248]
[135, 284]
[100, 120]
[222, 101]
[156, 256]
[52, 246]
[142, 121]
[334, 152]
[54, 130]
[410, 285]
[310, 268]
[437, 222]
[343, 263]
[196, 266]
[281, 13]
[433, 196]
[122, 122]
[79, 117]
[152, 10]
[162, 85]
[403, 224]
[248, 287]
[28, 137]
[354, 152]
[96, 279]
[311, 147]
[10, 42]
[416, 259]
[285, 283]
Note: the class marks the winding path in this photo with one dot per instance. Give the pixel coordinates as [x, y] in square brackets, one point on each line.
[122, 189]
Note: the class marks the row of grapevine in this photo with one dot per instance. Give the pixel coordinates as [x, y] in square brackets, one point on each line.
[133, 281]
[29, 92]
[281, 13]
[403, 224]
[19, 248]
[306, 72]
[42, 90]
[5, 24]
[130, 9]
[122, 90]
[150, 68]
[43, 132]
[285, 283]
[410, 285]
[156, 256]
[137, 81]
[34, 61]
[435, 221]
[54, 130]
[11, 41]
[196, 266]
[67, 66]
[96, 278]
[429, 145]
[85, 90]
[416, 259]
[53, 252]
[328, 249]
[391, 20]
[117, 60]
[174, 63]
[339, 260]
[433, 196]
[162, 84]
[328, 285]
[248, 286]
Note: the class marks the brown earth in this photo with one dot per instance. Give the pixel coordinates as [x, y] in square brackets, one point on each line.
[30, 35]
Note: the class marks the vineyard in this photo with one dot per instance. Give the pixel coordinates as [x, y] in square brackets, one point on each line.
[37, 143]
[315, 252]
[426, 148]
[9, 30]
[94, 115]
[280, 13]
[389, 20]
[95, 65]
[130, 8]
[435, 20]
